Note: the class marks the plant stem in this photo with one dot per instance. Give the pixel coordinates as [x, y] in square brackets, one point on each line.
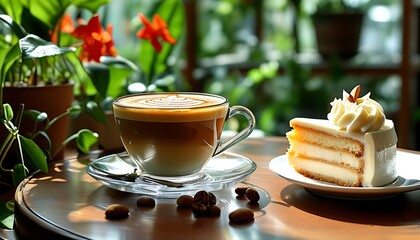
[50, 123]
[64, 143]
[151, 70]
[4, 149]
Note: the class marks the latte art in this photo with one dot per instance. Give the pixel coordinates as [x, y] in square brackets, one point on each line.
[171, 107]
[173, 101]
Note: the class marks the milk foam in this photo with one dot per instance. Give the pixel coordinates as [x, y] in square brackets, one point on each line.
[175, 100]
[171, 107]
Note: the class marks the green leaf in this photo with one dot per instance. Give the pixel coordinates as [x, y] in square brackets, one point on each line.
[42, 117]
[49, 12]
[18, 174]
[267, 121]
[6, 216]
[151, 62]
[47, 139]
[11, 55]
[255, 75]
[269, 70]
[12, 25]
[100, 76]
[86, 139]
[119, 69]
[8, 56]
[7, 112]
[91, 5]
[33, 154]
[11, 8]
[118, 62]
[165, 81]
[35, 115]
[75, 109]
[33, 46]
[118, 82]
[93, 109]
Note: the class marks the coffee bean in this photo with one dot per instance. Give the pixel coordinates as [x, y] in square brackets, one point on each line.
[198, 208]
[241, 215]
[240, 191]
[213, 211]
[185, 201]
[202, 197]
[212, 199]
[146, 202]
[116, 211]
[252, 195]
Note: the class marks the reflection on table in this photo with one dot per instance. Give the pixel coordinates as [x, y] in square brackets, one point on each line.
[68, 202]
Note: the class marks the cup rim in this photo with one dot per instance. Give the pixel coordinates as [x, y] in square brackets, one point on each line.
[119, 104]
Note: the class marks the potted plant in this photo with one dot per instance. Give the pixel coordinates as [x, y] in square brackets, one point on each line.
[338, 25]
[86, 78]
[32, 64]
[37, 66]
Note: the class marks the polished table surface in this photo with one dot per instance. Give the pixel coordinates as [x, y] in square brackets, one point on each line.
[67, 202]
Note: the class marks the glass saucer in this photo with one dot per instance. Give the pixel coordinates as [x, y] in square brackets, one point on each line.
[117, 171]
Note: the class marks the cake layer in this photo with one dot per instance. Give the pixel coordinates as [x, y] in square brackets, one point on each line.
[323, 151]
[333, 156]
[325, 171]
[322, 133]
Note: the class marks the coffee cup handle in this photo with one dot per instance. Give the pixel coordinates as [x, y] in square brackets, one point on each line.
[233, 111]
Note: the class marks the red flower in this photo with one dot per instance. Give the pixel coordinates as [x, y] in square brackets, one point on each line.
[155, 30]
[97, 42]
[66, 26]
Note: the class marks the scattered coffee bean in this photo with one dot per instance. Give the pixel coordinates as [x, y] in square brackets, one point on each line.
[201, 197]
[241, 215]
[184, 201]
[240, 191]
[116, 211]
[252, 195]
[213, 211]
[146, 202]
[199, 209]
[212, 199]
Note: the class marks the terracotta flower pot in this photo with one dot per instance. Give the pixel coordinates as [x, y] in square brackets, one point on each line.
[338, 34]
[54, 100]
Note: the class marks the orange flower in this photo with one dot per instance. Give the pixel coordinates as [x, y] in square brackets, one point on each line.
[155, 30]
[97, 42]
[66, 26]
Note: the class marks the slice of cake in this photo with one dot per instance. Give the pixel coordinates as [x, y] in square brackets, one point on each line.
[356, 146]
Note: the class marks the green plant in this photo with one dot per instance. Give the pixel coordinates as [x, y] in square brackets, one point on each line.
[158, 49]
[94, 81]
[21, 52]
[28, 49]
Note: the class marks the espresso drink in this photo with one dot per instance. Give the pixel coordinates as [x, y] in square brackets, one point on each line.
[170, 134]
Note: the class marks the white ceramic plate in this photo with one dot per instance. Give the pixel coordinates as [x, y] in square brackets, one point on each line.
[223, 170]
[408, 169]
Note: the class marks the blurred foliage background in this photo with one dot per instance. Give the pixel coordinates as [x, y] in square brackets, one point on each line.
[263, 55]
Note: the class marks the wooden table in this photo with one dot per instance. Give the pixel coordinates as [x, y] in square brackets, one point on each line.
[67, 202]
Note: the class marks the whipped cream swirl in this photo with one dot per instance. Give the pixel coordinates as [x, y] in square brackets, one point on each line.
[356, 114]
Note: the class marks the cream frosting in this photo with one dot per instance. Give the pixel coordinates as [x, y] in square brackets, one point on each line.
[355, 114]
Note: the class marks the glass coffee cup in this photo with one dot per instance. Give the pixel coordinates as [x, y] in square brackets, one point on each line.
[175, 134]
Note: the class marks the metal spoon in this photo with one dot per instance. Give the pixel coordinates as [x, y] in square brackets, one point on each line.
[121, 167]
